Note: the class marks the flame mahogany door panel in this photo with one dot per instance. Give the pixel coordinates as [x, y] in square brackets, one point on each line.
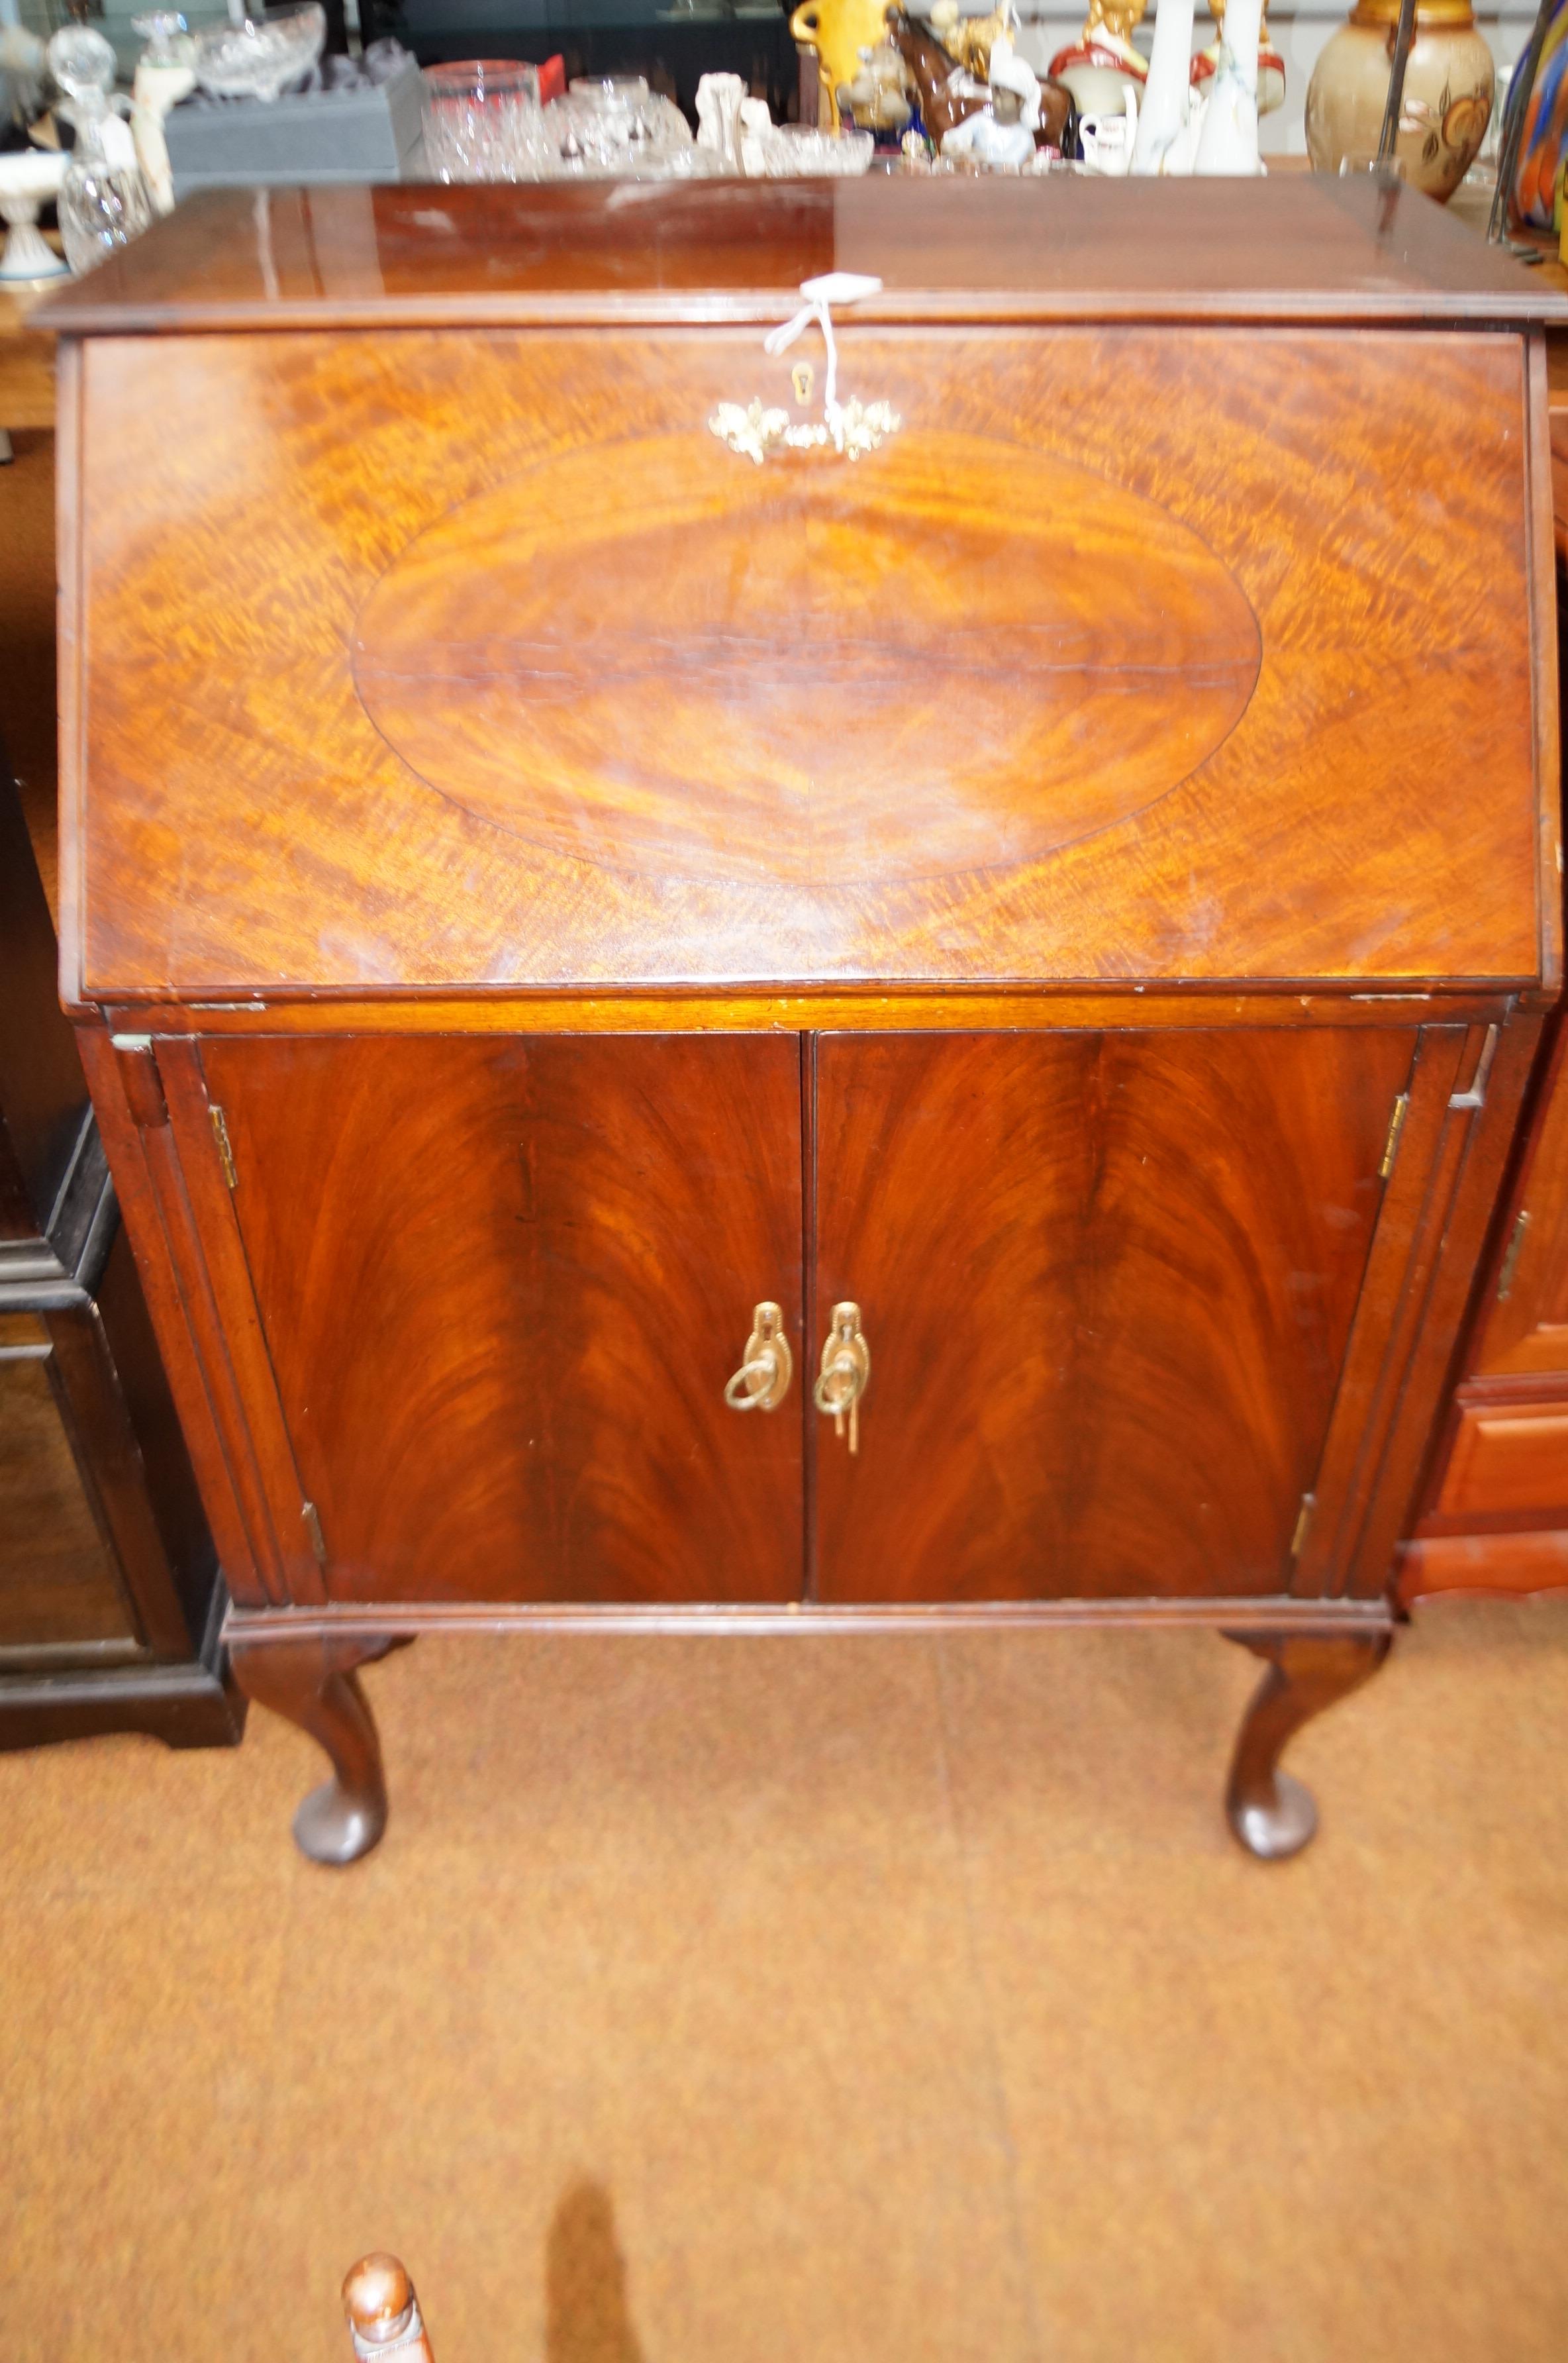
[502, 1282]
[1106, 1280]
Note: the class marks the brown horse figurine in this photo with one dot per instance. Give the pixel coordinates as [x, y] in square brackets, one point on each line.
[949, 94]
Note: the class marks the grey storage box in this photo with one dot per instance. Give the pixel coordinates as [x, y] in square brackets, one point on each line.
[332, 135]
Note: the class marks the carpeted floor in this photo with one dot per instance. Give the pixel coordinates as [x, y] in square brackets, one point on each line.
[862, 2000]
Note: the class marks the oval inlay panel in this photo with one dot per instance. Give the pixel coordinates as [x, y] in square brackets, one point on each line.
[953, 654]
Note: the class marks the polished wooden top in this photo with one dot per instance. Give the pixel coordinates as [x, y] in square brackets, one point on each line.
[1065, 247]
[470, 663]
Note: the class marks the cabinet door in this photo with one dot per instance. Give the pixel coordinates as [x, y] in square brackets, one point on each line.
[502, 1284]
[1107, 1283]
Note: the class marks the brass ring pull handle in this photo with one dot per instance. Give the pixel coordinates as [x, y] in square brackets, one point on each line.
[846, 1372]
[763, 1380]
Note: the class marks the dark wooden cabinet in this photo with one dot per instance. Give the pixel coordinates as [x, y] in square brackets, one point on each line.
[1495, 1517]
[1036, 892]
[110, 1602]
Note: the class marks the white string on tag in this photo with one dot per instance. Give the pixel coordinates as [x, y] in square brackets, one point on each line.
[821, 294]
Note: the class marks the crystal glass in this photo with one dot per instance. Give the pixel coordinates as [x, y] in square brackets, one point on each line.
[167, 37]
[1357, 162]
[688, 163]
[260, 60]
[103, 199]
[794, 151]
[483, 122]
[613, 124]
[82, 62]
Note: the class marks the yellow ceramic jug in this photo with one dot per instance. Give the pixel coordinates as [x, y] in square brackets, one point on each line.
[838, 30]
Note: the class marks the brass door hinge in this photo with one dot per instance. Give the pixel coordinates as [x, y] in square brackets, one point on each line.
[220, 1134]
[1303, 1524]
[1511, 1254]
[1395, 1127]
[313, 1528]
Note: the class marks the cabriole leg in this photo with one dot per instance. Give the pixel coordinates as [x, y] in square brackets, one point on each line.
[312, 1681]
[1271, 1812]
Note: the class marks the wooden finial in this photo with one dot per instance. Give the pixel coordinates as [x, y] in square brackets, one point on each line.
[384, 2312]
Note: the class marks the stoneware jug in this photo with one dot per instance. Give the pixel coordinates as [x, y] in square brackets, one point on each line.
[1448, 94]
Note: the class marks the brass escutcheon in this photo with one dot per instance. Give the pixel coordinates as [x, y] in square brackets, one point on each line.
[846, 1372]
[763, 1380]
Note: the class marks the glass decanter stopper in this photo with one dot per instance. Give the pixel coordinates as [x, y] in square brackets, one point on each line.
[104, 201]
[80, 61]
[168, 40]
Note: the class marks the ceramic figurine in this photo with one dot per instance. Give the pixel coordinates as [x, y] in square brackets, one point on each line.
[1227, 143]
[1271, 65]
[165, 73]
[755, 123]
[1002, 136]
[1449, 83]
[719, 97]
[985, 138]
[1011, 77]
[1106, 141]
[1162, 115]
[1533, 201]
[948, 94]
[877, 98]
[1102, 62]
[837, 30]
[968, 40]
[22, 69]
[1058, 121]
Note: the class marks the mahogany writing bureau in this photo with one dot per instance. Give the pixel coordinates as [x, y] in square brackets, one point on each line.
[904, 1004]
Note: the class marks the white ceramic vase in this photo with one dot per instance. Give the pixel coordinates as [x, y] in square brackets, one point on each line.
[1164, 111]
[1228, 140]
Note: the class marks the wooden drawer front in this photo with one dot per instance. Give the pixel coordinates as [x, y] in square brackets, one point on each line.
[1102, 665]
[1508, 1460]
